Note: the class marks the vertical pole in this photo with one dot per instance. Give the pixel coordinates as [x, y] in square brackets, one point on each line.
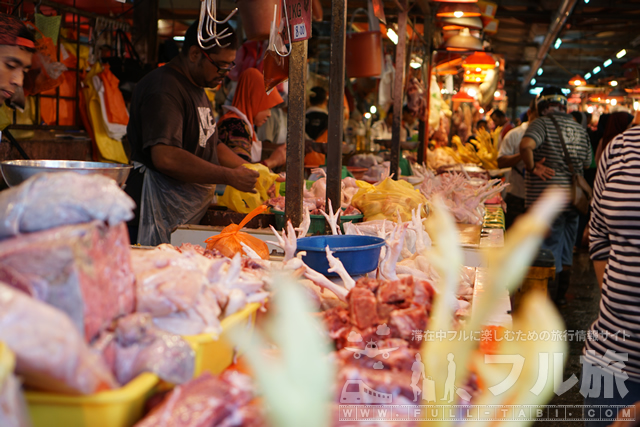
[336, 103]
[295, 132]
[426, 77]
[145, 30]
[398, 89]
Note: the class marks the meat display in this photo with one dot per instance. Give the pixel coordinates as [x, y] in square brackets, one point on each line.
[51, 200]
[67, 268]
[13, 410]
[208, 401]
[51, 355]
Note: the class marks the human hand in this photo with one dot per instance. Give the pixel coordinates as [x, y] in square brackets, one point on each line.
[541, 171]
[243, 179]
[278, 157]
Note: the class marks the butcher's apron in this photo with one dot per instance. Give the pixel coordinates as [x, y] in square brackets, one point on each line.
[167, 203]
[256, 146]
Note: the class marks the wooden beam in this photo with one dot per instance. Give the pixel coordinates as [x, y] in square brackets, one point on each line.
[398, 91]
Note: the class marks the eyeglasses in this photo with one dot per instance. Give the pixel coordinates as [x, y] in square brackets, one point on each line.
[221, 70]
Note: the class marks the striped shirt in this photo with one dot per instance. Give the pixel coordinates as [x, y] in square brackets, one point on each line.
[615, 237]
[548, 146]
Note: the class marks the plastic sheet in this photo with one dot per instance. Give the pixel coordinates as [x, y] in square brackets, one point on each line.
[51, 200]
[229, 241]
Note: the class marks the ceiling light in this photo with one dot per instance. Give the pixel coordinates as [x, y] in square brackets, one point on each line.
[479, 61]
[415, 64]
[607, 62]
[613, 83]
[472, 92]
[533, 82]
[540, 71]
[458, 10]
[478, 69]
[535, 90]
[481, 111]
[178, 38]
[464, 41]
[566, 91]
[557, 43]
[587, 76]
[392, 35]
[496, 94]
[497, 63]
[462, 96]
[607, 101]
[373, 109]
[621, 54]
[577, 80]
[478, 79]
[586, 1]
[636, 105]
[614, 101]
[596, 70]
[589, 109]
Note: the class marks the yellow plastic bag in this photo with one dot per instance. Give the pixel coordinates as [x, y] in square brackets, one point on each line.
[387, 199]
[242, 202]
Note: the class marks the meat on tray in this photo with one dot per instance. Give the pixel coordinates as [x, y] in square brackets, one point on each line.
[83, 270]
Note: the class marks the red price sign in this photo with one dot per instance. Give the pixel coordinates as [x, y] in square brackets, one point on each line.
[299, 14]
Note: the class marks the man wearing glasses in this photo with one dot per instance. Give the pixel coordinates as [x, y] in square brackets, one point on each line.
[173, 140]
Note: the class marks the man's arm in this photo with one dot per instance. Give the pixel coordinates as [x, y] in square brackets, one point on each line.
[598, 267]
[228, 158]
[508, 161]
[184, 166]
[527, 146]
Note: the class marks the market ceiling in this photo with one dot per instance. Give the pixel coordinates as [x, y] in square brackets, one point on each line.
[593, 33]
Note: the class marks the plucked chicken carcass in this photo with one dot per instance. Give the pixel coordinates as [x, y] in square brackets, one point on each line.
[83, 270]
[51, 355]
[51, 200]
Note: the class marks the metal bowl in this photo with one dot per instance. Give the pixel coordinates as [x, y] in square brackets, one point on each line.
[17, 171]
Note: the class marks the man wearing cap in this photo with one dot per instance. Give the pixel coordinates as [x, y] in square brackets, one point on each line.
[16, 49]
[542, 141]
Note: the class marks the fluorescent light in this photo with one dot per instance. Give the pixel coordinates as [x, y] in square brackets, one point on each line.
[392, 35]
[533, 82]
[613, 83]
[367, 116]
[566, 91]
[471, 92]
[178, 38]
[621, 54]
[481, 111]
[540, 71]
[535, 91]
[458, 14]
[636, 105]
[596, 70]
[373, 109]
[614, 101]
[607, 62]
[589, 109]
[557, 43]
[586, 1]
[587, 76]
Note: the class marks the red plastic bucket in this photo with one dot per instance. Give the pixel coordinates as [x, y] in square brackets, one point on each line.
[363, 56]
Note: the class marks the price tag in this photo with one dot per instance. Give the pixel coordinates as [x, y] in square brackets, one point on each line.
[299, 14]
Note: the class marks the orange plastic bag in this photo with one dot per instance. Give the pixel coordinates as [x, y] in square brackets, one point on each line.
[228, 242]
[113, 99]
[45, 73]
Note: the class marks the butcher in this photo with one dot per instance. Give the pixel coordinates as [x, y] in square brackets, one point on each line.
[173, 140]
[17, 46]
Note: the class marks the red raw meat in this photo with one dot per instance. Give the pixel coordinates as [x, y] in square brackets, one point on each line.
[404, 322]
[396, 292]
[362, 307]
[83, 270]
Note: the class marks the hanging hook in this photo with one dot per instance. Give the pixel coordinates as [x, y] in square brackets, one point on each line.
[208, 20]
[275, 17]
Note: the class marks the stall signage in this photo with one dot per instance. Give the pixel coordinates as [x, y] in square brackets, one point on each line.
[299, 13]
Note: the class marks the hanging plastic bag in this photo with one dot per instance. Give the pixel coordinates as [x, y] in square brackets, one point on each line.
[45, 73]
[276, 66]
[243, 202]
[114, 101]
[229, 241]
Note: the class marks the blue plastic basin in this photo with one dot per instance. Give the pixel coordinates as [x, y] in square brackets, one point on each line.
[358, 254]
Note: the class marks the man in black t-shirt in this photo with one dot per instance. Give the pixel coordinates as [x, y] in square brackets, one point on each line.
[173, 141]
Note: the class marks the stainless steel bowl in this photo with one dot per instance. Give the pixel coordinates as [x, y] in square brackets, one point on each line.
[17, 171]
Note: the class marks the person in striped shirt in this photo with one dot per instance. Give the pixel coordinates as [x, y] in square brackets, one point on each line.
[542, 150]
[614, 246]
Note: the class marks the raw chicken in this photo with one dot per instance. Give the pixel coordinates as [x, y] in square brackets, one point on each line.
[83, 270]
[51, 354]
[13, 409]
[51, 200]
[204, 402]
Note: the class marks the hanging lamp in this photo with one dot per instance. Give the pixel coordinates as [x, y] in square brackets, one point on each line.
[464, 41]
[473, 22]
[618, 94]
[462, 96]
[458, 10]
[479, 61]
[577, 80]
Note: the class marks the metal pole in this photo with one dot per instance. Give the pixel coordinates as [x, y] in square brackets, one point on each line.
[295, 132]
[336, 103]
[426, 76]
[398, 86]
